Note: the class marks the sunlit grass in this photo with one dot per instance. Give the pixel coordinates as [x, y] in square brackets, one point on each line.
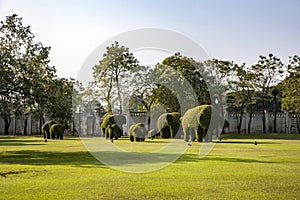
[234, 169]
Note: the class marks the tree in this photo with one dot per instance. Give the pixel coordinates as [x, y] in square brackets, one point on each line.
[143, 83]
[291, 88]
[28, 84]
[222, 74]
[275, 92]
[23, 63]
[268, 72]
[111, 71]
[60, 92]
[193, 72]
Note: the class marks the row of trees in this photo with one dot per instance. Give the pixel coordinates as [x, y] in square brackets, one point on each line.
[268, 85]
[28, 85]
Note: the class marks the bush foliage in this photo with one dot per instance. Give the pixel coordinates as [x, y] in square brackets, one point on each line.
[137, 132]
[168, 124]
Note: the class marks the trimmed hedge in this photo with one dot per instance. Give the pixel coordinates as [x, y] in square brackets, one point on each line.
[116, 130]
[113, 131]
[168, 124]
[137, 133]
[196, 121]
[57, 131]
[46, 129]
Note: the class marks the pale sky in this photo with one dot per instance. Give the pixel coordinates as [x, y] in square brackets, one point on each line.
[237, 30]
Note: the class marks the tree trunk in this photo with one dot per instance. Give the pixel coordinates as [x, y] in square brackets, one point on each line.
[7, 121]
[118, 90]
[25, 125]
[264, 121]
[298, 123]
[148, 119]
[240, 123]
[42, 121]
[250, 120]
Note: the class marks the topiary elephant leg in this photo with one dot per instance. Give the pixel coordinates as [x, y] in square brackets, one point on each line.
[131, 138]
[199, 135]
[193, 134]
[48, 134]
[185, 135]
[106, 133]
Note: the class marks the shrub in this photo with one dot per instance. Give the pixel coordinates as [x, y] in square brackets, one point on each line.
[137, 132]
[196, 121]
[109, 120]
[57, 130]
[46, 129]
[113, 131]
[168, 124]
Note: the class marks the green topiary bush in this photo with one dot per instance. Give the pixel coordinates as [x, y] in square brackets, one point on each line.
[57, 131]
[116, 120]
[196, 121]
[113, 132]
[168, 124]
[46, 129]
[137, 133]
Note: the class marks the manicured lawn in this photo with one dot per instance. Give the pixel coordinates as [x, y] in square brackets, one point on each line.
[234, 169]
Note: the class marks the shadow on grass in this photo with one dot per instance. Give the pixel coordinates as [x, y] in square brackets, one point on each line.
[86, 160]
[195, 158]
[33, 157]
[19, 142]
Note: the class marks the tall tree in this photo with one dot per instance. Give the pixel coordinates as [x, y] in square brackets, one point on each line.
[23, 63]
[143, 83]
[241, 93]
[193, 72]
[291, 89]
[111, 71]
[268, 71]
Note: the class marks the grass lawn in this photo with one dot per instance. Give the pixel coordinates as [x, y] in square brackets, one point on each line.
[234, 169]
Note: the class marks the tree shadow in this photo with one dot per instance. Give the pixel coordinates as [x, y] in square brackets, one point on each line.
[194, 158]
[19, 142]
[39, 158]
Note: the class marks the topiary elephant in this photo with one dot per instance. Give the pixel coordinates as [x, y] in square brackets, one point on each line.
[137, 132]
[57, 131]
[113, 131]
[46, 129]
[110, 119]
[196, 121]
[168, 124]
